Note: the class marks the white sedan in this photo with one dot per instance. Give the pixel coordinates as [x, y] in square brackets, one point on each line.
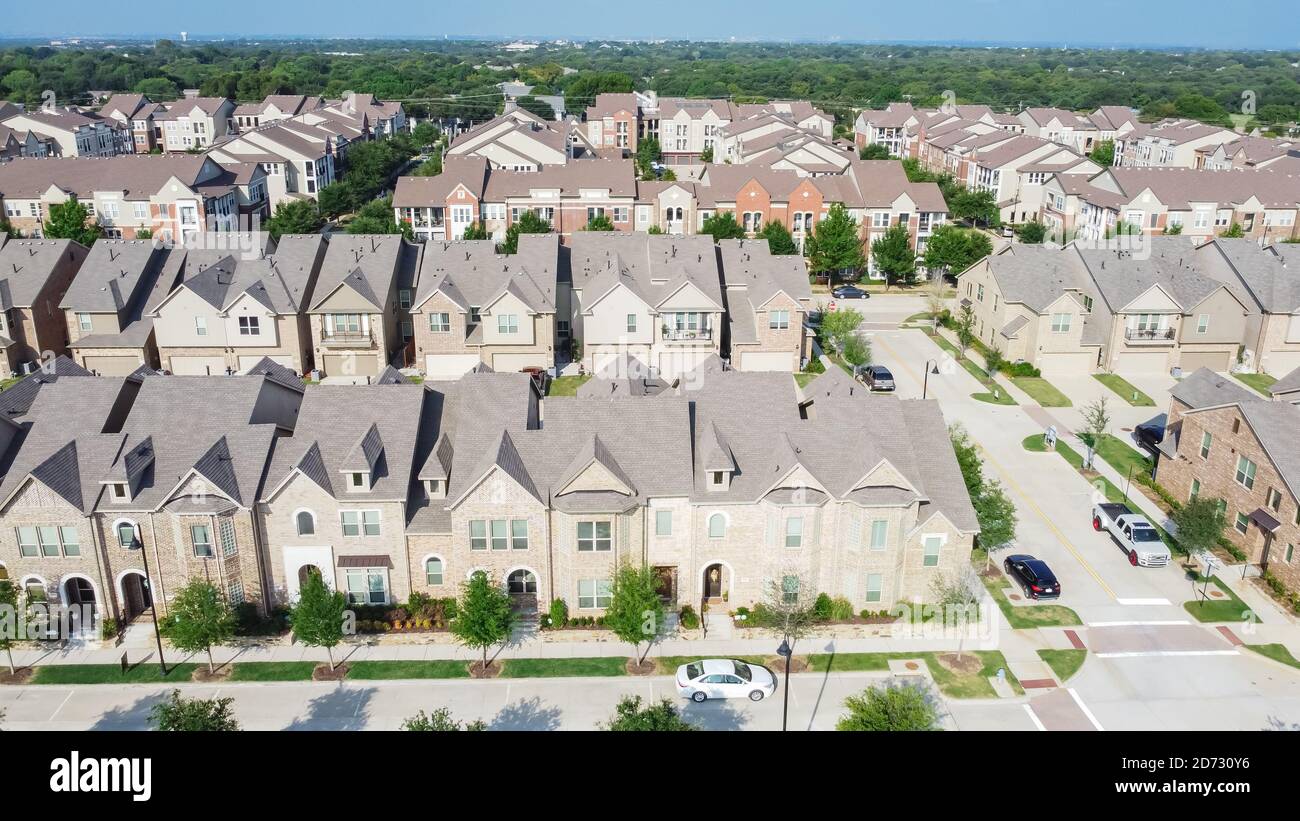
[724, 678]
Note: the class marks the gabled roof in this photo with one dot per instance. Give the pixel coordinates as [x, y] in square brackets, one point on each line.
[652, 266]
[472, 273]
[26, 266]
[369, 264]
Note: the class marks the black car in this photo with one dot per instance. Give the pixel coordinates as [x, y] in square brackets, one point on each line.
[850, 292]
[1150, 434]
[877, 377]
[1033, 575]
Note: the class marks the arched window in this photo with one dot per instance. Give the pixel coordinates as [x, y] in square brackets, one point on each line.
[717, 526]
[433, 570]
[127, 534]
[305, 521]
[521, 581]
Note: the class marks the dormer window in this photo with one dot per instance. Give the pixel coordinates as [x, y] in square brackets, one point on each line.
[118, 489]
[358, 481]
[437, 488]
[719, 479]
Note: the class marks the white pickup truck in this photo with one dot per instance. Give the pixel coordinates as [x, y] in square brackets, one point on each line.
[1137, 537]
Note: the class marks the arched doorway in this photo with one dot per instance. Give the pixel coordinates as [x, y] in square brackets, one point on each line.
[306, 572]
[715, 583]
[521, 584]
[79, 598]
[136, 596]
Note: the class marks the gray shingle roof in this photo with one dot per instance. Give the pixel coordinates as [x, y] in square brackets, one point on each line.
[472, 273]
[370, 264]
[1286, 385]
[753, 276]
[1271, 276]
[26, 266]
[114, 276]
[1204, 388]
[279, 275]
[654, 267]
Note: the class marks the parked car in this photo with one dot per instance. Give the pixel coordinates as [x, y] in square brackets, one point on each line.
[1035, 578]
[850, 292]
[1150, 434]
[876, 377]
[540, 377]
[724, 678]
[1136, 536]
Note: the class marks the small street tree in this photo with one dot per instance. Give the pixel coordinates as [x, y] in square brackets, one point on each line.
[890, 708]
[193, 715]
[200, 618]
[8, 620]
[1096, 421]
[722, 226]
[935, 301]
[996, 514]
[599, 222]
[787, 609]
[959, 594]
[635, 612]
[838, 327]
[1032, 232]
[439, 721]
[856, 352]
[835, 246]
[68, 221]
[296, 217]
[1200, 522]
[657, 717]
[475, 230]
[892, 255]
[779, 241]
[528, 223]
[317, 618]
[952, 249]
[965, 329]
[484, 617]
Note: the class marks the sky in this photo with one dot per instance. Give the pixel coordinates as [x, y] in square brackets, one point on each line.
[1244, 24]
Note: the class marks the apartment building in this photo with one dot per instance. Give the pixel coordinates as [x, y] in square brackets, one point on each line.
[298, 160]
[1247, 152]
[1265, 278]
[358, 307]
[801, 113]
[274, 108]
[614, 121]
[887, 127]
[1078, 309]
[787, 150]
[69, 132]
[767, 298]
[175, 198]
[475, 307]
[134, 114]
[655, 299]
[107, 306]
[194, 123]
[24, 143]
[34, 275]
[1169, 143]
[687, 128]
[238, 303]
[1234, 446]
[516, 141]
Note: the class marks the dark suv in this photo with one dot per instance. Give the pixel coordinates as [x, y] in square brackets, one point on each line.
[1033, 575]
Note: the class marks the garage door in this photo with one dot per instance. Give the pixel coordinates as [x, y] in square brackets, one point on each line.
[112, 365]
[1155, 362]
[514, 362]
[449, 365]
[768, 361]
[360, 364]
[1074, 363]
[1214, 360]
[1281, 363]
[246, 362]
[198, 365]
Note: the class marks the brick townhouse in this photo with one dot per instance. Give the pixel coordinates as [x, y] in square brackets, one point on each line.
[106, 306]
[34, 275]
[768, 298]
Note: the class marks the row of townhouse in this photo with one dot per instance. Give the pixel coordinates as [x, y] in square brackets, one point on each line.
[1231, 444]
[1146, 309]
[521, 141]
[1249, 152]
[1172, 143]
[1198, 203]
[876, 193]
[174, 198]
[119, 490]
[58, 131]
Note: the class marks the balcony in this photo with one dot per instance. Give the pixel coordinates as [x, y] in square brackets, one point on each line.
[360, 339]
[1150, 336]
[687, 335]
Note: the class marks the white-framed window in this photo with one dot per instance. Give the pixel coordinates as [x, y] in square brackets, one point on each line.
[595, 536]
[304, 522]
[84, 322]
[1061, 323]
[794, 531]
[1241, 523]
[631, 323]
[875, 584]
[778, 320]
[663, 523]
[440, 323]
[360, 522]
[790, 589]
[200, 326]
[128, 535]
[48, 541]
[518, 534]
[1206, 441]
[717, 525]
[931, 545]
[404, 298]
[201, 541]
[594, 593]
[1202, 323]
[433, 570]
[508, 323]
[620, 213]
[366, 585]
[1245, 472]
[879, 533]
[478, 539]
[249, 326]
[1196, 489]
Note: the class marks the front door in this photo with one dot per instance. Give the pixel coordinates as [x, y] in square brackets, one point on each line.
[666, 584]
[713, 582]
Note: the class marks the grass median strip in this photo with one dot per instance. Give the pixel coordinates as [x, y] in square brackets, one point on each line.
[1065, 663]
[952, 683]
[982, 376]
[147, 672]
[1229, 608]
[387, 670]
[1277, 652]
[1259, 381]
[1024, 617]
[272, 670]
[1125, 390]
[1042, 391]
[559, 668]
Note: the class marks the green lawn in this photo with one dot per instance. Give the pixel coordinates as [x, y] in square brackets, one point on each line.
[375, 670]
[1065, 663]
[1258, 381]
[1229, 608]
[667, 665]
[5, 383]
[1121, 456]
[981, 375]
[554, 668]
[1003, 398]
[566, 385]
[802, 379]
[144, 673]
[1044, 392]
[953, 685]
[272, 670]
[1277, 652]
[1125, 390]
[1024, 617]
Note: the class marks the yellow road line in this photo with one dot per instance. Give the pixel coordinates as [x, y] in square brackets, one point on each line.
[1006, 477]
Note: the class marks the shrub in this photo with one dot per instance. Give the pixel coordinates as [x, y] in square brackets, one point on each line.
[1020, 369]
[742, 613]
[995, 361]
[559, 613]
[841, 609]
[109, 629]
[687, 618]
[418, 601]
[398, 614]
[822, 607]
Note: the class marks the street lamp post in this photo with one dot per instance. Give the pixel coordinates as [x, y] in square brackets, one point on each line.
[785, 652]
[931, 367]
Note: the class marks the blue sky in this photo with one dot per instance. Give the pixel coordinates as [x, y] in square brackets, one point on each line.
[1256, 24]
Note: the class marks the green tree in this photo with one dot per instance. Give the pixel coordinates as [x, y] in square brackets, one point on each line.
[722, 225]
[668, 175]
[647, 152]
[296, 217]
[779, 241]
[439, 721]
[193, 715]
[198, 619]
[68, 221]
[475, 230]
[1234, 231]
[874, 151]
[484, 617]
[317, 618]
[376, 217]
[978, 207]
[1096, 421]
[838, 327]
[1103, 153]
[635, 612]
[856, 352]
[425, 134]
[893, 255]
[706, 156]
[1200, 523]
[431, 167]
[599, 222]
[7, 229]
[143, 233]
[1031, 233]
[8, 624]
[528, 223]
[834, 246]
[952, 249]
[965, 329]
[890, 708]
[660, 717]
[334, 199]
